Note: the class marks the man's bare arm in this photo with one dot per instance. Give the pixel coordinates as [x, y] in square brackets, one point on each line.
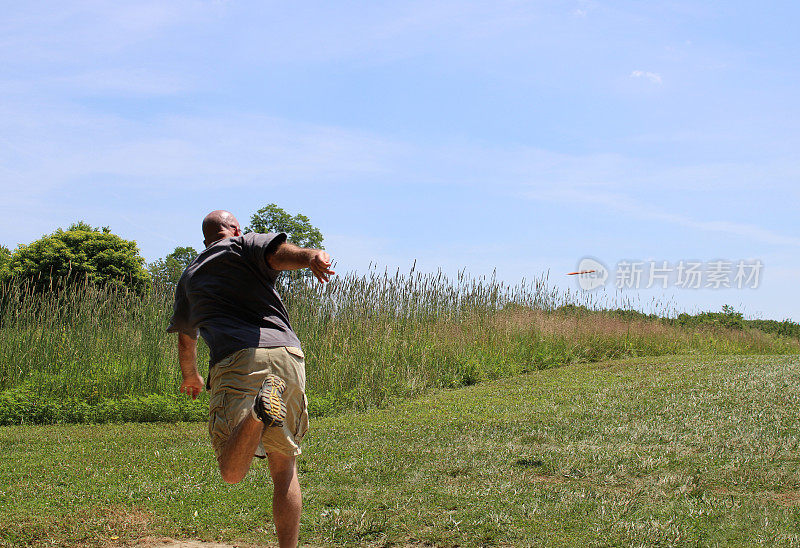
[290, 257]
[187, 357]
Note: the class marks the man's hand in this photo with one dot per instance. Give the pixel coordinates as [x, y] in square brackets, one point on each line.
[193, 385]
[290, 257]
[320, 264]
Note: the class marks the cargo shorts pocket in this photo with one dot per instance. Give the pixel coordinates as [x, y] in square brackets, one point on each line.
[296, 352]
[231, 362]
[218, 429]
[226, 409]
[302, 422]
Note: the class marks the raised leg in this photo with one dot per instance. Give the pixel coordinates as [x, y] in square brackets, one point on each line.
[237, 454]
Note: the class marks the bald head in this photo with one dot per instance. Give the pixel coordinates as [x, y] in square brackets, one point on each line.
[220, 224]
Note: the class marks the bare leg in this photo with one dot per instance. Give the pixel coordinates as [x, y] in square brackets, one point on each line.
[286, 498]
[239, 449]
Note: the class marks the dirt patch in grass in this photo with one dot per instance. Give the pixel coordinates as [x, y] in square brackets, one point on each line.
[153, 542]
[172, 543]
[789, 499]
[786, 499]
[133, 520]
[542, 478]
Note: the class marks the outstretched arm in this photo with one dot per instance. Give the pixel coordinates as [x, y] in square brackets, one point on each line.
[290, 257]
[187, 356]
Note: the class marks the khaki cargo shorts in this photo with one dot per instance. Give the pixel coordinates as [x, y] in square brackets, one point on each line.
[235, 381]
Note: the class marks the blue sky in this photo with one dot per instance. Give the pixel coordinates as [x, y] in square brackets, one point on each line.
[510, 136]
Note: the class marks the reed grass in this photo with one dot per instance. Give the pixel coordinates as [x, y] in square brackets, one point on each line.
[368, 338]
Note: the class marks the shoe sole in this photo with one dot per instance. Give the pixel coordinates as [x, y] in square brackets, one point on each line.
[269, 405]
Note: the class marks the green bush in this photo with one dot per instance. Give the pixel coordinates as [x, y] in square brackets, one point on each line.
[728, 318]
[21, 406]
[80, 254]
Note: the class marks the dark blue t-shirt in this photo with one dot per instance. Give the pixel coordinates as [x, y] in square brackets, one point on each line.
[228, 294]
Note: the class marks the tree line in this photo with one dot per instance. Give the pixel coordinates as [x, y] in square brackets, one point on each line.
[82, 253]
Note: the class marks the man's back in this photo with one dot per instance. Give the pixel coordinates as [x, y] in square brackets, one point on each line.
[228, 294]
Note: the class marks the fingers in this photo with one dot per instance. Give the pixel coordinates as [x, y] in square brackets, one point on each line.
[323, 258]
[320, 266]
[191, 390]
[323, 275]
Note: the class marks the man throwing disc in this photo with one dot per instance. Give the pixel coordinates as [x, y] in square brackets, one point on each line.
[257, 375]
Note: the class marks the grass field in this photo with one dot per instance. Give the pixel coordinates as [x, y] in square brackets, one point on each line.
[670, 451]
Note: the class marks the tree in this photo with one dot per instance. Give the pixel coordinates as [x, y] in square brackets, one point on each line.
[5, 258]
[80, 253]
[167, 271]
[299, 231]
[298, 228]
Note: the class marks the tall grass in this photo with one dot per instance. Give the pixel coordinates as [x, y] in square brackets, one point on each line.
[372, 337]
[81, 340]
[368, 338]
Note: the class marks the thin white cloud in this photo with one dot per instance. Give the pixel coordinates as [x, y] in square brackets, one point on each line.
[70, 33]
[45, 148]
[622, 203]
[119, 81]
[653, 77]
[112, 83]
[262, 32]
[583, 8]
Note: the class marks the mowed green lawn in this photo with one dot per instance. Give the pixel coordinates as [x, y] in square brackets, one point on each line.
[679, 451]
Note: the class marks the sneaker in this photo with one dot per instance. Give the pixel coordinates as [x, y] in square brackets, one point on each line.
[269, 407]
